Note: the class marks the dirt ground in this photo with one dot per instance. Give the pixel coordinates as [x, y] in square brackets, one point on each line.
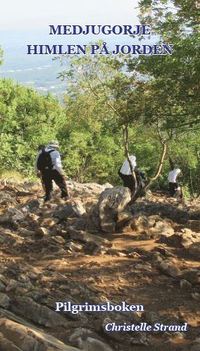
[128, 273]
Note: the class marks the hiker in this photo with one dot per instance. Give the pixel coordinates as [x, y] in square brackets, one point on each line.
[49, 168]
[126, 174]
[172, 179]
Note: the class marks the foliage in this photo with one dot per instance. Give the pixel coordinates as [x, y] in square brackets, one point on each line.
[174, 81]
[27, 120]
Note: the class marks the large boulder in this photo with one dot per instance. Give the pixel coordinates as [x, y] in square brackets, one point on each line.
[15, 336]
[112, 202]
[37, 313]
[184, 239]
[72, 209]
[168, 267]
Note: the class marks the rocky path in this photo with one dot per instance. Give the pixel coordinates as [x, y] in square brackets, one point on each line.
[73, 251]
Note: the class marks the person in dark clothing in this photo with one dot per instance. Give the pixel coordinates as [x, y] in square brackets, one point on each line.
[172, 179]
[135, 184]
[126, 174]
[128, 181]
[49, 169]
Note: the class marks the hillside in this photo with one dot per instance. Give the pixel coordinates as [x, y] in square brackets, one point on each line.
[57, 252]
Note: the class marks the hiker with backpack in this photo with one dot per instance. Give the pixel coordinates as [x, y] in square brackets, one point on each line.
[49, 169]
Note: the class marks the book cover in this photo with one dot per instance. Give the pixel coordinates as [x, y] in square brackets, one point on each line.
[99, 175]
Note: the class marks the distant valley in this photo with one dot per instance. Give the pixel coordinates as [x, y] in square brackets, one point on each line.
[39, 72]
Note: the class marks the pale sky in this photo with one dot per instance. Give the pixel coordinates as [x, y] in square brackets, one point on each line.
[29, 14]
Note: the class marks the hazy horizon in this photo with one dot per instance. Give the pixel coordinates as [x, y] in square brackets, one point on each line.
[24, 23]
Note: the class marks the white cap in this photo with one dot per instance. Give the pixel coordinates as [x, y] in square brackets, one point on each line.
[54, 143]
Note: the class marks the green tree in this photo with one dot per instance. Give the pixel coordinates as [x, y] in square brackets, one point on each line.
[27, 120]
[112, 95]
[171, 85]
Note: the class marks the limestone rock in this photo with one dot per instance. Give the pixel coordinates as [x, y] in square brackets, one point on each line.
[123, 219]
[151, 226]
[140, 224]
[162, 228]
[86, 237]
[72, 209]
[184, 239]
[37, 313]
[18, 337]
[169, 268]
[111, 203]
[4, 300]
[87, 188]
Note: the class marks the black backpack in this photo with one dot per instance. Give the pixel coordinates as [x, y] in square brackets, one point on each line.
[44, 160]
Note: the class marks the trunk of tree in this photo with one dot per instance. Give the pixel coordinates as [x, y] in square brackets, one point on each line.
[191, 183]
[160, 165]
[171, 162]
